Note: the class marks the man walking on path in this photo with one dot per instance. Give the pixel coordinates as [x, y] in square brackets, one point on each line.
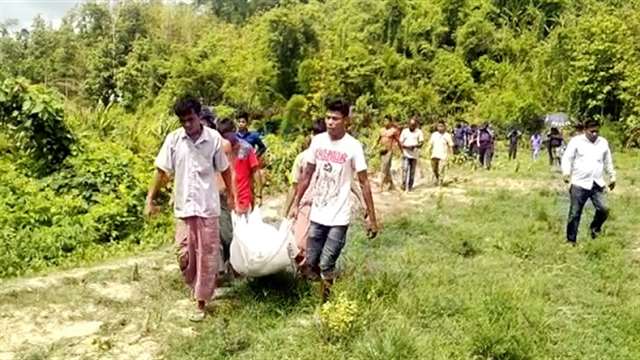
[411, 140]
[584, 162]
[389, 137]
[536, 145]
[484, 140]
[192, 155]
[514, 137]
[333, 158]
[459, 138]
[555, 142]
[440, 145]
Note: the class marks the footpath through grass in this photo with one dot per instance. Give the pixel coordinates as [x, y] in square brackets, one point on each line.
[490, 278]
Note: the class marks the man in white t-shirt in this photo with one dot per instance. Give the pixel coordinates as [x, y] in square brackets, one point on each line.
[411, 140]
[440, 145]
[333, 158]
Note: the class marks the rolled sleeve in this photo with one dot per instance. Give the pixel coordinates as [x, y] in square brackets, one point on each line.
[165, 159]
[220, 161]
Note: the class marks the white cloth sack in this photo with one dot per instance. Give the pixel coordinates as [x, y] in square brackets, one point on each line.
[260, 249]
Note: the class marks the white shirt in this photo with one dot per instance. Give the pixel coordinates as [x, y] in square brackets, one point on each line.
[586, 162]
[336, 162]
[193, 165]
[440, 145]
[411, 138]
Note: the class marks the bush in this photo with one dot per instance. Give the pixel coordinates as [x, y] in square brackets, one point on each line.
[34, 117]
[95, 200]
[281, 153]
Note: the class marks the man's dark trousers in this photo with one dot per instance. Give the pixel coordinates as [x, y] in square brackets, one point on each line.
[579, 197]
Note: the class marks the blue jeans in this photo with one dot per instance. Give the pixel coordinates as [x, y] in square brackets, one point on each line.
[324, 247]
[408, 172]
[579, 197]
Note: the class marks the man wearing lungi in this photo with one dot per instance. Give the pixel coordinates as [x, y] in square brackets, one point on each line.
[192, 155]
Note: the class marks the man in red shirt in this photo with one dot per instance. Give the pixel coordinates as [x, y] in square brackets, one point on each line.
[245, 165]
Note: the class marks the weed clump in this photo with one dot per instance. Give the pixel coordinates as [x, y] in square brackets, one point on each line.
[338, 318]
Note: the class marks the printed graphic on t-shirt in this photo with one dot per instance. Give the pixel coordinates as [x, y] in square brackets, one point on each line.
[331, 167]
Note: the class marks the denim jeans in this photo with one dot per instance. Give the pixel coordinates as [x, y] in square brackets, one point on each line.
[579, 197]
[324, 247]
[408, 172]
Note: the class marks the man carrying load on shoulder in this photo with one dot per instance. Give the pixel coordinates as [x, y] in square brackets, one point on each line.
[334, 157]
[192, 155]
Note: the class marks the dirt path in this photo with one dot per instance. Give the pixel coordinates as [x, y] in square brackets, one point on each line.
[126, 309]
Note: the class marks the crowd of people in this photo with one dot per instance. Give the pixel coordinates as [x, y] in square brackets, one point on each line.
[472, 142]
[216, 169]
[215, 165]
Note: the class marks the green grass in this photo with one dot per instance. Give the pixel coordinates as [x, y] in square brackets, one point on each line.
[491, 279]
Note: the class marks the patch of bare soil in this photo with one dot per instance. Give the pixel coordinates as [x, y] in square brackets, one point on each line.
[104, 315]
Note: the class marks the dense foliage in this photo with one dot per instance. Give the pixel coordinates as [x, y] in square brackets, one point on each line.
[95, 103]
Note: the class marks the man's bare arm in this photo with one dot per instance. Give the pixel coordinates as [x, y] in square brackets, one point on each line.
[303, 185]
[290, 196]
[227, 177]
[372, 222]
[257, 184]
[160, 178]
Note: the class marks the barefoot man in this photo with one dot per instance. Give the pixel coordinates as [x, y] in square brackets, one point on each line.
[389, 136]
[192, 155]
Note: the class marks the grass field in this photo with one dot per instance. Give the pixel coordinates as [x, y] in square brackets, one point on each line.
[475, 270]
[489, 277]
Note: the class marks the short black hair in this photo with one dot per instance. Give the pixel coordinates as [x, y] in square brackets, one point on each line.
[225, 125]
[318, 126]
[186, 105]
[339, 105]
[244, 115]
[591, 123]
[441, 122]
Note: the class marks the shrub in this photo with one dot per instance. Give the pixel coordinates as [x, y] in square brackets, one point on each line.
[34, 117]
[338, 317]
[94, 200]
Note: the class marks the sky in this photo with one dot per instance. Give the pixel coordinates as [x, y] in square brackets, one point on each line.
[25, 10]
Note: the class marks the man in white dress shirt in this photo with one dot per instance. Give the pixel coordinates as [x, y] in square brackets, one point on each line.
[193, 155]
[584, 163]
